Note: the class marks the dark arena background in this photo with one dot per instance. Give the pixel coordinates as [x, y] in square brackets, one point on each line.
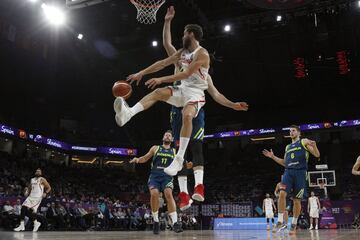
[293, 63]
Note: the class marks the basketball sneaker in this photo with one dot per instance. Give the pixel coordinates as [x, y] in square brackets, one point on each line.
[185, 201]
[199, 193]
[279, 227]
[122, 110]
[156, 228]
[274, 228]
[292, 229]
[20, 228]
[175, 166]
[311, 227]
[316, 227]
[36, 226]
[178, 227]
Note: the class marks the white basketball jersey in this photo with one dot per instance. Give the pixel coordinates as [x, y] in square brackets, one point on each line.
[313, 203]
[197, 79]
[37, 189]
[268, 204]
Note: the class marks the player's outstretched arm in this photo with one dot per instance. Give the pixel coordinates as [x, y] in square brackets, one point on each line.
[167, 41]
[157, 66]
[355, 169]
[146, 157]
[311, 147]
[271, 155]
[201, 59]
[318, 202]
[222, 100]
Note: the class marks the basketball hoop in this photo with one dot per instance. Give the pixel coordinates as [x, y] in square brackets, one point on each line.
[147, 9]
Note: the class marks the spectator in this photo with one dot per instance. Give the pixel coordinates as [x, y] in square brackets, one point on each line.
[17, 207]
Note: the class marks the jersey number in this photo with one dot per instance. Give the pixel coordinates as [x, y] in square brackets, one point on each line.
[163, 161]
[292, 155]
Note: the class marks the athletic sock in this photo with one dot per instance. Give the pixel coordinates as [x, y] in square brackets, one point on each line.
[136, 108]
[183, 184]
[173, 217]
[294, 220]
[281, 217]
[199, 176]
[155, 216]
[184, 141]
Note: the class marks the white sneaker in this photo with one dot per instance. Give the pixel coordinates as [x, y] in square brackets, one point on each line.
[316, 227]
[311, 227]
[175, 166]
[36, 226]
[20, 228]
[122, 110]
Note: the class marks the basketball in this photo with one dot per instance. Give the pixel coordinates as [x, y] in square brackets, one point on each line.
[122, 89]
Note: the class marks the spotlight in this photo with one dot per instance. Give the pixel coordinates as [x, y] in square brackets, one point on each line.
[278, 18]
[80, 36]
[33, 1]
[227, 28]
[359, 3]
[154, 43]
[54, 15]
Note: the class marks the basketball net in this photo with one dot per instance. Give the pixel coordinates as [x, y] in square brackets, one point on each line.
[147, 9]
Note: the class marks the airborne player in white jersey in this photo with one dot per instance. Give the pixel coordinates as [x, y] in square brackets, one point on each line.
[268, 209]
[36, 191]
[195, 61]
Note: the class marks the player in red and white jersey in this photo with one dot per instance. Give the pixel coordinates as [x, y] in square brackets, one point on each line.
[195, 62]
[37, 190]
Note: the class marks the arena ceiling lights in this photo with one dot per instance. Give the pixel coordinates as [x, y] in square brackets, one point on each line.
[74, 4]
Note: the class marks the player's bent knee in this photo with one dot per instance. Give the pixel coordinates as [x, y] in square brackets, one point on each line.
[168, 194]
[187, 117]
[154, 192]
[189, 112]
[162, 94]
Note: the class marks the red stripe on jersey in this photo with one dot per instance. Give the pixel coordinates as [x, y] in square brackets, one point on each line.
[202, 75]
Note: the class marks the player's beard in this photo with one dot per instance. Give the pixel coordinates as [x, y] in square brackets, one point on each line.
[37, 175]
[167, 142]
[186, 43]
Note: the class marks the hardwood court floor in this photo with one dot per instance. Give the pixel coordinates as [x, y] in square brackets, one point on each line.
[186, 235]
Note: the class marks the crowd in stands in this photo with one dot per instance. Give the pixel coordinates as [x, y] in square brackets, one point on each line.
[81, 199]
[92, 198]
